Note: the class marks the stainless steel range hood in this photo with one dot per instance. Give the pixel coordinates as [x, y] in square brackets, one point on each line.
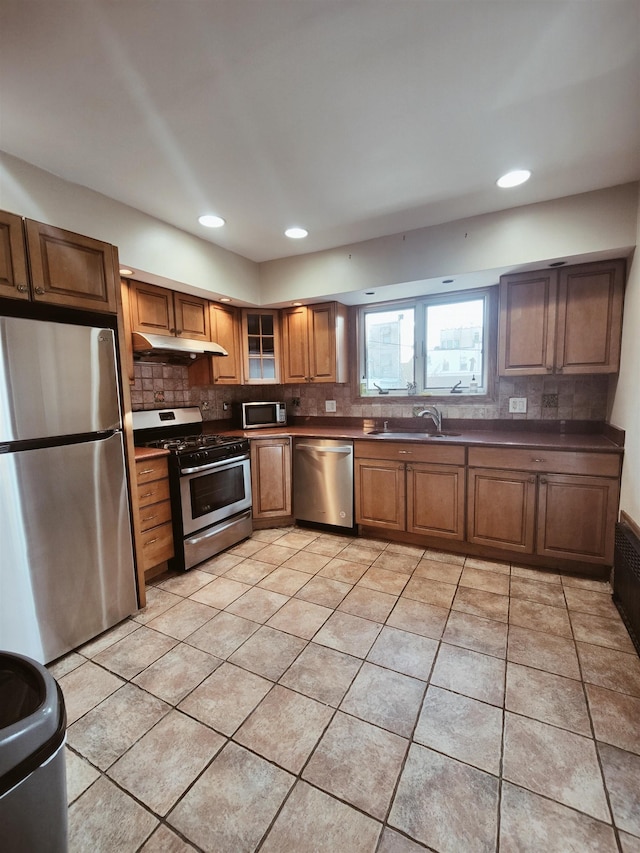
[172, 350]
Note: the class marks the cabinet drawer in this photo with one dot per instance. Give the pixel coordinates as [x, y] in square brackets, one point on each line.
[151, 469]
[155, 514]
[557, 461]
[157, 545]
[410, 452]
[153, 493]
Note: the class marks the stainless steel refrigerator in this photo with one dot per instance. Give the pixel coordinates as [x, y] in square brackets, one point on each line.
[66, 553]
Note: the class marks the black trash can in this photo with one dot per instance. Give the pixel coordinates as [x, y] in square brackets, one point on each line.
[33, 786]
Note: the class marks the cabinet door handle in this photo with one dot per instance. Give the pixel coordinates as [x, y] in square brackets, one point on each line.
[40, 291]
[533, 479]
[147, 471]
[543, 480]
[179, 331]
[22, 288]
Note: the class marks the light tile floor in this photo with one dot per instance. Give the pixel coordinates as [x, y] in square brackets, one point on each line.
[306, 692]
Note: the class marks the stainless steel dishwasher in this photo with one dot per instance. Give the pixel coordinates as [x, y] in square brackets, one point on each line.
[323, 481]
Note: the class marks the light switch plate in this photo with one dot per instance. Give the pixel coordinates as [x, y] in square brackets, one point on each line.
[518, 405]
[329, 405]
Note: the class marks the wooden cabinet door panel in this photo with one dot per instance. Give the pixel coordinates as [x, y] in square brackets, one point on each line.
[225, 330]
[271, 477]
[501, 509]
[527, 323]
[590, 303]
[436, 500]
[322, 342]
[295, 345]
[70, 269]
[380, 493]
[152, 309]
[576, 517]
[14, 281]
[192, 317]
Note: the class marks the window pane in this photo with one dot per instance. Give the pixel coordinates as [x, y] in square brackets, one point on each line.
[454, 344]
[389, 343]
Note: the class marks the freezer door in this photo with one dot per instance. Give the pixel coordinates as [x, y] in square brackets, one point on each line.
[56, 379]
[66, 555]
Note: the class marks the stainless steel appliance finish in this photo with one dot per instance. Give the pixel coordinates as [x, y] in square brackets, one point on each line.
[165, 348]
[260, 415]
[323, 481]
[66, 564]
[210, 482]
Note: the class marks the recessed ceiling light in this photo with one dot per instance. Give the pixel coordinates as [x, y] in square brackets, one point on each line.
[514, 179]
[296, 233]
[210, 220]
[296, 304]
[225, 299]
[125, 271]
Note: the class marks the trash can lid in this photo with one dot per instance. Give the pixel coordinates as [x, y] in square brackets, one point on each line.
[32, 711]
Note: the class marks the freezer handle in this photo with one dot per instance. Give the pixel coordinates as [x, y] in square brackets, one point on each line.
[314, 448]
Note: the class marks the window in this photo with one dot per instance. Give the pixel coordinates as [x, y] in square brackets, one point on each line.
[435, 345]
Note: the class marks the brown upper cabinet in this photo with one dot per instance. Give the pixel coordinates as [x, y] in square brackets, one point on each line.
[564, 321]
[261, 346]
[66, 269]
[159, 311]
[226, 331]
[314, 343]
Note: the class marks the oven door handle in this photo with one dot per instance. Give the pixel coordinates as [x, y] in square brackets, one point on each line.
[214, 465]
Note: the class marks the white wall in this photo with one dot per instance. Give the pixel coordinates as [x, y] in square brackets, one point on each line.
[626, 404]
[168, 255]
[600, 221]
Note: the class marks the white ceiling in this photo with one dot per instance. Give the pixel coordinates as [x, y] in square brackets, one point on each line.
[354, 118]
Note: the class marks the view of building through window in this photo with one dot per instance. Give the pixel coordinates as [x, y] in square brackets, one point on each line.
[432, 345]
[454, 344]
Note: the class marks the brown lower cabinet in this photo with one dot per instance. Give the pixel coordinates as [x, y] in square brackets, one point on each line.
[413, 488]
[552, 504]
[271, 477]
[154, 510]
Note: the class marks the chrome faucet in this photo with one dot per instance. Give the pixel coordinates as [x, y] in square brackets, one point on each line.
[434, 414]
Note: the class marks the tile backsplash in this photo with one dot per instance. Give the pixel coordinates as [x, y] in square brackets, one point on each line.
[548, 397]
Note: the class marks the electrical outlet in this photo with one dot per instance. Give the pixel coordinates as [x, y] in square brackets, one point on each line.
[225, 406]
[329, 405]
[518, 405]
[204, 405]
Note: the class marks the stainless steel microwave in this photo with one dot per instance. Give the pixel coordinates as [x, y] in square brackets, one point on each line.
[257, 415]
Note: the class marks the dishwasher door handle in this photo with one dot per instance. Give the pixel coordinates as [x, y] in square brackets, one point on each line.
[313, 448]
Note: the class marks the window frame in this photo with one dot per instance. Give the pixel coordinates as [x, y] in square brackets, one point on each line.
[419, 305]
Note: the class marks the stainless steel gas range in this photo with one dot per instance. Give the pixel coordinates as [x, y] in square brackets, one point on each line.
[209, 478]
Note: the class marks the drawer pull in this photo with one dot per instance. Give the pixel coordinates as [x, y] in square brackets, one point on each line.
[147, 495]
[408, 452]
[150, 517]
[537, 460]
[151, 541]
[147, 471]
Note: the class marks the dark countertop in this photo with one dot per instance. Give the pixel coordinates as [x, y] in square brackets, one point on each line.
[591, 442]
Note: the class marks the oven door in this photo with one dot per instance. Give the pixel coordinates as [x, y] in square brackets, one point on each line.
[214, 493]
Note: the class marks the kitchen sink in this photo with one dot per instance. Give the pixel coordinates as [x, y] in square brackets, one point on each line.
[422, 436]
